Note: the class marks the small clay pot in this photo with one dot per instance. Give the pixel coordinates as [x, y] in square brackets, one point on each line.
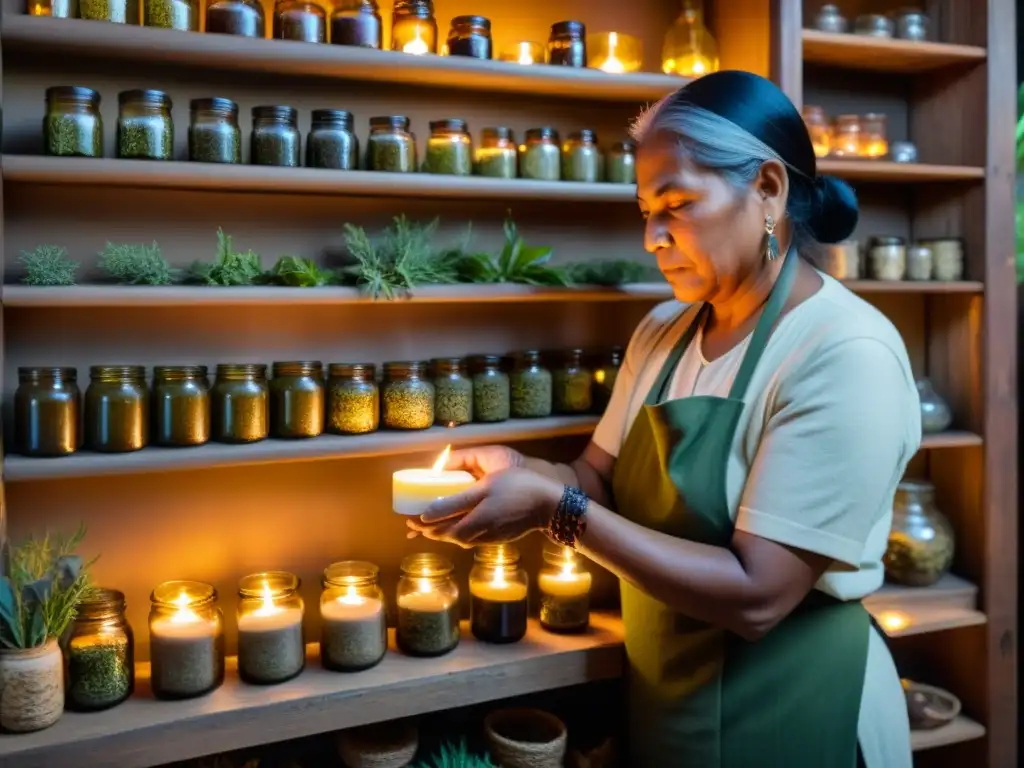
[526, 738]
[31, 687]
[928, 706]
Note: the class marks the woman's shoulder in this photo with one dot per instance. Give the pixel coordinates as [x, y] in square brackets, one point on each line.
[660, 327]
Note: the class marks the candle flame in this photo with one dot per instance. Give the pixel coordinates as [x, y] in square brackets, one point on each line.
[442, 460]
[499, 577]
[350, 597]
[268, 608]
[416, 46]
[893, 621]
[184, 614]
[423, 585]
[525, 54]
[612, 65]
[569, 566]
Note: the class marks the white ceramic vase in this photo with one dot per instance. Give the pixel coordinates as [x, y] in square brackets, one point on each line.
[31, 687]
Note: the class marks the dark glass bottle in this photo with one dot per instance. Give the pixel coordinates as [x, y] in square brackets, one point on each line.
[181, 405]
[117, 409]
[567, 45]
[470, 36]
[297, 399]
[239, 403]
[47, 408]
[358, 23]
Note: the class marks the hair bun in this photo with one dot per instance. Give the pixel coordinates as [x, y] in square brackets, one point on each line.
[835, 212]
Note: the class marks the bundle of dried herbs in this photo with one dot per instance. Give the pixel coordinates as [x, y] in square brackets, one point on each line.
[136, 264]
[229, 267]
[48, 265]
[517, 263]
[612, 272]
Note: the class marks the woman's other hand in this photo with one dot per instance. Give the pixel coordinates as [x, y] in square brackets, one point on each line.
[485, 460]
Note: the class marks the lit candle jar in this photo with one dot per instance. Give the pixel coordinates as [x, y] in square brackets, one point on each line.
[428, 606]
[270, 644]
[354, 630]
[524, 53]
[893, 621]
[497, 590]
[873, 141]
[820, 131]
[846, 137]
[186, 640]
[564, 592]
[413, 490]
[413, 27]
[615, 53]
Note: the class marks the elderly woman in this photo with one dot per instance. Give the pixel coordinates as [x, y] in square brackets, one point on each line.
[740, 484]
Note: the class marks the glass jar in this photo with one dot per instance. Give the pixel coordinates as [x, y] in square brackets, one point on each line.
[182, 15]
[353, 399]
[114, 11]
[181, 405]
[407, 398]
[887, 257]
[271, 648]
[275, 136]
[841, 260]
[581, 157]
[358, 23]
[936, 415]
[99, 653]
[497, 156]
[428, 606]
[145, 129]
[213, 133]
[540, 156]
[491, 396]
[186, 640]
[919, 262]
[846, 136]
[55, 9]
[819, 129]
[620, 164]
[530, 386]
[470, 36]
[829, 19]
[297, 399]
[332, 142]
[449, 149]
[117, 409]
[573, 384]
[47, 407]
[453, 392]
[236, 17]
[921, 541]
[413, 27]
[606, 370]
[567, 45]
[353, 621]
[689, 49]
[72, 126]
[874, 25]
[948, 258]
[391, 147]
[300, 20]
[873, 141]
[564, 588]
[912, 24]
[498, 589]
[239, 403]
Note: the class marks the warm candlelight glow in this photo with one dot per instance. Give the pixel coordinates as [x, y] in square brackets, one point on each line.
[184, 614]
[615, 53]
[524, 52]
[442, 460]
[694, 65]
[413, 490]
[417, 46]
[612, 63]
[525, 55]
[893, 621]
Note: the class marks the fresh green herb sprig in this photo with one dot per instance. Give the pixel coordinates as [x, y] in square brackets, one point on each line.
[611, 272]
[456, 756]
[517, 263]
[229, 267]
[297, 272]
[48, 265]
[136, 264]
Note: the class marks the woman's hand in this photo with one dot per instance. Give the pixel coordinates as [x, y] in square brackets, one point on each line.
[485, 460]
[501, 507]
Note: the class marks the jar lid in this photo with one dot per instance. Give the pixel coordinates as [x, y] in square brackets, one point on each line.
[120, 371]
[886, 240]
[275, 112]
[451, 124]
[356, 5]
[334, 116]
[145, 96]
[586, 136]
[498, 132]
[350, 572]
[628, 146]
[241, 369]
[297, 368]
[47, 371]
[399, 122]
[472, 21]
[448, 363]
[178, 371]
[568, 28]
[488, 360]
[100, 603]
[405, 366]
[73, 93]
[544, 132]
[277, 583]
[352, 369]
[214, 104]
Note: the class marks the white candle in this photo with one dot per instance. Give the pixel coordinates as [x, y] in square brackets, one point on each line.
[271, 647]
[417, 46]
[413, 490]
[565, 584]
[351, 607]
[425, 602]
[186, 651]
[354, 632]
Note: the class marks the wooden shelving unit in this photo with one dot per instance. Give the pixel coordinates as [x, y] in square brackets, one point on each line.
[903, 611]
[885, 172]
[884, 55]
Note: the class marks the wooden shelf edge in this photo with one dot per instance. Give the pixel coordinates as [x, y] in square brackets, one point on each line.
[951, 439]
[902, 611]
[885, 55]
[144, 732]
[140, 45]
[960, 730]
[885, 171]
[383, 443]
[914, 286]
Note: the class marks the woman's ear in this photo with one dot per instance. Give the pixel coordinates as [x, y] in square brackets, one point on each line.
[772, 184]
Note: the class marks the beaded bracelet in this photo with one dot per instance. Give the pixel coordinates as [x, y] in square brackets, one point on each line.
[570, 519]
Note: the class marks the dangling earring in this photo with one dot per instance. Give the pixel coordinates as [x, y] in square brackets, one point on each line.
[771, 251]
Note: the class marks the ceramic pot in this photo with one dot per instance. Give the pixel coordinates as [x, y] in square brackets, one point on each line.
[935, 413]
[31, 687]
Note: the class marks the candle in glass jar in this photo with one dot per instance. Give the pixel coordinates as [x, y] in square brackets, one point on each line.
[413, 490]
[498, 595]
[615, 53]
[564, 593]
[524, 53]
[271, 648]
[186, 637]
[354, 631]
[428, 606]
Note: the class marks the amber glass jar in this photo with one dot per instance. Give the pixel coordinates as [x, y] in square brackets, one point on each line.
[498, 588]
[213, 132]
[581, 158]
[353, 399]
[47, 410]
[391, 147]
[497, 155]
[300, 20]
[530, 384]
[540, 157]
[271, 648]
[819, 129]
[413, 27]
[115, 11]
[99, 653]
[145, 130]
[275, 136]
[453, 392]
[181, 405]
[620, 164]
[72, 126]
[186, 640]
[606, 370]
[449, 149]
[332, 143]
[428, 606]
[55, 9]
[470, 36]
[297, 399]
[358, 23]
[354, 628]
[117, 409]
[182, 15]
[407, 397]
[567, 45]
[847, 136]
[573, 384]
[236, 17]
[239, 403]
[490, 391]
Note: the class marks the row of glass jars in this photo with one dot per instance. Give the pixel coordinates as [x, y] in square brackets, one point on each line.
[186, 624]
[848, 136]
[123, 413]
[888, 257]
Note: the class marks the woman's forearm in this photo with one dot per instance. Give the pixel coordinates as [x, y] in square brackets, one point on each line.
[579, 474]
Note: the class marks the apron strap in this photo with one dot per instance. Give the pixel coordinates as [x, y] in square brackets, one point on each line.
[659, 389]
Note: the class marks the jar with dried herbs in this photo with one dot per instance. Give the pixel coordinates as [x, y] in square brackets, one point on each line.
[47, 405]
[114, 11]
[391, 147]
[72, 126]
[407, 398]
[213, 133]
[573, 384]
[353, 399]
[921, 543]
[99, 653]
[606, 370]
[243, 18]
[240, 403]
[581, 158]
[567, 45]
[297, 399]
[453, 392]
[540, 156]
[470, 36]
[620, 164]
[145, 129]
[332, 143]
[449, 149]
[497, 156]
[530, 384]
[300, 20]
[358, 23]
[117, 409]
[182, 15]
[275, 136]
[181, 405]
[948, 258]
[491, 395]
[887, 257]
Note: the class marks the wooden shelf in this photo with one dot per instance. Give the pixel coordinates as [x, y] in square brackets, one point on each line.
[911, 286]
[961, 729]
[878, 55]
[76, 39]
[904, 611]
[144, 732]
[951, 439]
[89, 464]
[884, 171]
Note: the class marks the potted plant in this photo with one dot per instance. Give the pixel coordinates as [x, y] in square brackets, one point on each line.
[42, 584]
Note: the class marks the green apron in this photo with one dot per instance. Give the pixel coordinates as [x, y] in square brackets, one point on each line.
[700, 696]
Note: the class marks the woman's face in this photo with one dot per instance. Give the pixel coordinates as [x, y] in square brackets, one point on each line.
[707, 236]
